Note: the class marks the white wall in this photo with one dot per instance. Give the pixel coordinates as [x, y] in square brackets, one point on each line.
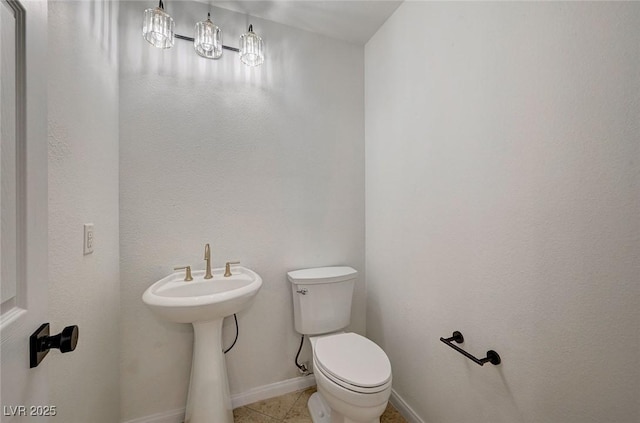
[265, 164]
[83, 188]
[502, 200]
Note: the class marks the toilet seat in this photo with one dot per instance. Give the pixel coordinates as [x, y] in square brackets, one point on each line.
[353, 362]
[350, 387]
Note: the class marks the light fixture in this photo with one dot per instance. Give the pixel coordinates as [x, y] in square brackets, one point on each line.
[251, 48]
[208, 39]
[157, 29]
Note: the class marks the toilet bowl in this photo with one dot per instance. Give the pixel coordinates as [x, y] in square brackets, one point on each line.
[353, 376]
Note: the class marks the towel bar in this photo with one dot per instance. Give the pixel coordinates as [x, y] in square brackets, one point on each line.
[492, 356]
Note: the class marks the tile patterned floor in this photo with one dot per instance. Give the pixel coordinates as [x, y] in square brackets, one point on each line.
[292, 408]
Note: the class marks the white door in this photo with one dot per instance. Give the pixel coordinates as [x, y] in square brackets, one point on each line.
[23, 205]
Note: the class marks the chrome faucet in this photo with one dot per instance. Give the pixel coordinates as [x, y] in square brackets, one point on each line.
[207, 258]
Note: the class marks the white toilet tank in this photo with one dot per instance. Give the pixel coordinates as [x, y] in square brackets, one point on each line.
[322, 298]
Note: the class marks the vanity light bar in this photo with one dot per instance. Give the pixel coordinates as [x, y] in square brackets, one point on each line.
[191, 39]
[158, 29]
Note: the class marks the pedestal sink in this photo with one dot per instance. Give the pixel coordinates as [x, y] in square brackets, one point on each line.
[205, 303]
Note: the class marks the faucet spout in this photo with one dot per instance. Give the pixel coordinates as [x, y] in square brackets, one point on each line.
[207, 258]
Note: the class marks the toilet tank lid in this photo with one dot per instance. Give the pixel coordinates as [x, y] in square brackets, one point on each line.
[322, 275]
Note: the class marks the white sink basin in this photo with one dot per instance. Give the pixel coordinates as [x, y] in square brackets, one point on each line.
[176, 300]
[205, 303]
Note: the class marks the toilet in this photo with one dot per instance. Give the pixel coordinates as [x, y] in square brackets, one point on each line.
[353, 374]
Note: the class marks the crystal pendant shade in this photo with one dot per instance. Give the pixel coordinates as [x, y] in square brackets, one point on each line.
[251, 48]
[157, 28]
[207, 40]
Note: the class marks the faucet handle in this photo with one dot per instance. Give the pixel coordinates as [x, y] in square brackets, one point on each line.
[187, 276]
[227, 268]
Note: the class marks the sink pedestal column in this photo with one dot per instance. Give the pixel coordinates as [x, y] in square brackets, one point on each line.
[209, 400]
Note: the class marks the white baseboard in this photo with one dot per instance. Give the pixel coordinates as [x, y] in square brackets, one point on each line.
[272, 390]
[173, 416]
[404, 408]
[256, 394]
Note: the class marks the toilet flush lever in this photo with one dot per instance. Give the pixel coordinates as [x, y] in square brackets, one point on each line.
[302, 291]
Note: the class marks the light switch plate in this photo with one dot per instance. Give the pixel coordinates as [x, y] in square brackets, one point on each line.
[89, 240]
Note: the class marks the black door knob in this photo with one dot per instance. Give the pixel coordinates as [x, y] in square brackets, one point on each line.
[40, 342]
[65, 341]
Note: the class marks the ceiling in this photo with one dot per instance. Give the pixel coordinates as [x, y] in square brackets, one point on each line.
[354, 21]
